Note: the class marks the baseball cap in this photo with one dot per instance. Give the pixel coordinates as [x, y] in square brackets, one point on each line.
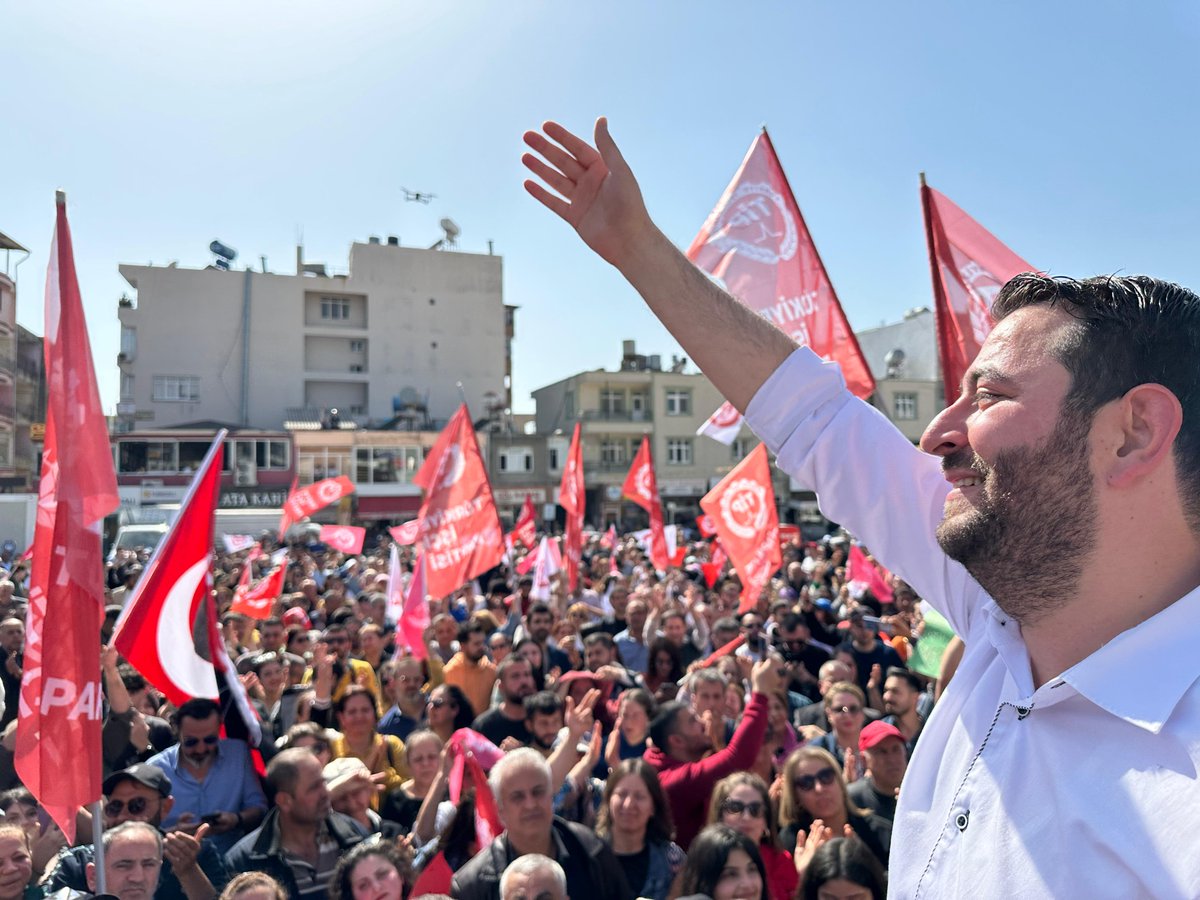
[296, 616]
[873, 734]
[823, 603]
[342, 769]
[143, 773]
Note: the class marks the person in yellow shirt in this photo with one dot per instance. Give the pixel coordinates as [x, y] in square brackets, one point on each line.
[346, 670]
[470, 669]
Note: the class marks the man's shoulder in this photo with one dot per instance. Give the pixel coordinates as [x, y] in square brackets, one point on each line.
[587, 839]
[480, 872]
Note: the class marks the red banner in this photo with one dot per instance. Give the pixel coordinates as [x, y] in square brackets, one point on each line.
[743, 508]
[573, 498]
[316, 496]
[459, 531]
[58, 755]
[706, 525]
[525, 530]
[156, 631]
[969, 266]
[641, 487]
[756, 244]
[344, 538]
[405, 535]
[868, 574]
[256, 601]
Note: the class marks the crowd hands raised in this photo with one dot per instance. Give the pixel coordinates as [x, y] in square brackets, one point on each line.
[625, 756]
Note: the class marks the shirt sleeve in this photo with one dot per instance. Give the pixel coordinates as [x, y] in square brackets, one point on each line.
[866, 474]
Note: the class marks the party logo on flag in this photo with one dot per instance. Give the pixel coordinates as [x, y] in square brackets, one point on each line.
[343, 538]
[756, 222]
[744, 507]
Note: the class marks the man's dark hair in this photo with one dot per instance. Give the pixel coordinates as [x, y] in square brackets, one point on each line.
[666, 723]
[294, 632]
[198, 708]
[543, 703]
[272, 620]
[539, 608]
[497, 586]
[334, 628]
[284, 771]
[131, 678]
[526, 581]
[791, 621]
[340, 616]
[1129, 330]
[602, 638]
[509, 662]
[470, 627]
[900, 672]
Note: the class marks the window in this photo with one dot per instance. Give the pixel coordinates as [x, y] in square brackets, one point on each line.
[638, 404]
[148, 456]
[176, 388]
[516, 459]
[739, 448]
[612, 452]
[356, 367]
[679, 451]
[191, 455]
[358, 345]
[904, 406]
[612, 403]
[386, 465]
[126, 387]
[128, 341]
[271, 454]
[552, 458]
[335, 308]
[679, 402]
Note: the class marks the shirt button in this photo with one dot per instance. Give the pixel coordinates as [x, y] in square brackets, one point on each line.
[1022, 712]
[961, 820]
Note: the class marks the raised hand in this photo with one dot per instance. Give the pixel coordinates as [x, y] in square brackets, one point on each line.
[595, 191]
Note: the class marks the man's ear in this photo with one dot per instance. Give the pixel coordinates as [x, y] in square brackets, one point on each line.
[166, 806]
[90, 873]
[1143, 425]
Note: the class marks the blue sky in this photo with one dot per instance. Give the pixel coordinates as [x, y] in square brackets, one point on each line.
[1068, 129]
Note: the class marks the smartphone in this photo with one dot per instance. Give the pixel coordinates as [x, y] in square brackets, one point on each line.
[211, 819]
[878, 624]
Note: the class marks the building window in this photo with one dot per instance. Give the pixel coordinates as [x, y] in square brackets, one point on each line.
[333, 308]
[129, 341]
[271, 454]
[516, 459]
[904, 406]
[356, 367]
[739, 448]
[177, 388]
[126, 387]
[679, 402]
[679, 451]
[358, 345]
[569, 404]
[137, 457]
[612, 452]
[612, 403]
[638, 405]
[381, 465]
[552, 458]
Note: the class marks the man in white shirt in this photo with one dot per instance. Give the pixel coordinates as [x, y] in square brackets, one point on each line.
[1044, 771]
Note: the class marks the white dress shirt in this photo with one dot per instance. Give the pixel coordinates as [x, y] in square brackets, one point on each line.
[1086, 787]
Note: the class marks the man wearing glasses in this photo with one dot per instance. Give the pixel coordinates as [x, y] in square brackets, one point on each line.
[214, 781]
[402, 680]
[142, 793]
[346, 670]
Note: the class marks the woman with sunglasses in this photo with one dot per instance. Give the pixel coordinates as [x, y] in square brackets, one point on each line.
[814, 802]
[742, 802]
[635, 821]
[844, 704]
[448, 710]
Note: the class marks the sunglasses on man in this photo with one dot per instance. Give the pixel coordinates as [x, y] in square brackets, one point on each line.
[114, 808]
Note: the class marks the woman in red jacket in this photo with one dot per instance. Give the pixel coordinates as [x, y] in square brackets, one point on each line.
[741, 801]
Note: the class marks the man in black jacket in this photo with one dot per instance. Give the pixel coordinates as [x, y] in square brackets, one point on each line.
[521, 785]
[300, 840]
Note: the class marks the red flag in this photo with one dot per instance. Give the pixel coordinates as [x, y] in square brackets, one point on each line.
[405, 535]
[344, 538]
[756, 243]
[868, 574]
[285, 521]
[257, 601]
[609, 539]
[642, 488]
[723, 425]
[460, 534]
[58, 755]
[525, 530]
[316, 496]
[743, 507]
[572, 498]
[717, 558]
[155, 632]
[549, 563]
[409, 612]
[969, 266]
[706, 525]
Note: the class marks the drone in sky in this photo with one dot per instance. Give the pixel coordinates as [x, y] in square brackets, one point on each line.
[417, 196]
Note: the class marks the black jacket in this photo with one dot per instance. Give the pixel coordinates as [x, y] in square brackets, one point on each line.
[256, 851]
[592, 870]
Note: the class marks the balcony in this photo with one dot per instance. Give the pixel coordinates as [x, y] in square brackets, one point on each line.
[618, 415]
[596, 465]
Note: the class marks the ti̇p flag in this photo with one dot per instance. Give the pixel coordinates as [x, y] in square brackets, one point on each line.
[969, 266]
[525, 530]
[318, 495]
[58, 754]
[743, 508]
[642, 488]
[459, 531]
[572, 498]
[156, 632]
[755, 243]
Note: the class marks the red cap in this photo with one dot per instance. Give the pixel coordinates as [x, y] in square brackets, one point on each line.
[872, 734]
[296, 616]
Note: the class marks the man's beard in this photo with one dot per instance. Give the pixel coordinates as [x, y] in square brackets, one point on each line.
[1028, 538]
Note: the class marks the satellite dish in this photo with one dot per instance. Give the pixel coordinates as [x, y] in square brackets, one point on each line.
[452, 230]
[409, 397]
[894, 362]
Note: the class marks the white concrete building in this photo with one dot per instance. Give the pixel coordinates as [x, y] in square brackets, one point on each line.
[386, 343]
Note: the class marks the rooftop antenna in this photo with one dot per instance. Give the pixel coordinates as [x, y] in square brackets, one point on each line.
[417, 196]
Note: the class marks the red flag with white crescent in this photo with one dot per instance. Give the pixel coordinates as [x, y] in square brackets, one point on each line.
[405, 535]
[756, 244]
[969, 266]
[573, 498]
[743, 507]
[642, 488]
[257, 601]
[156, 631]
[724, 425]
[525, 529]
[58, 751]
[346, 539]
[316, 496]
[459, 531]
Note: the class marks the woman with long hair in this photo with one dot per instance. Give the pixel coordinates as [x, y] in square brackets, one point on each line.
[742, 802]
[841, 867]
[722, 864]
[635, 821]
[814, 802]
[381, 753]
[371, 870]
[448, 710]
[531, 651]
[665, 668]
[253, 886]
[422, 752]
[630, 738]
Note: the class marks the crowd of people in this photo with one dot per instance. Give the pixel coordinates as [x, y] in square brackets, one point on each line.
[594, 743]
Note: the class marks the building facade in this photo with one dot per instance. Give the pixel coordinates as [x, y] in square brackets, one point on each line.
[22, 387]
[389, 343]
[904, 360]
